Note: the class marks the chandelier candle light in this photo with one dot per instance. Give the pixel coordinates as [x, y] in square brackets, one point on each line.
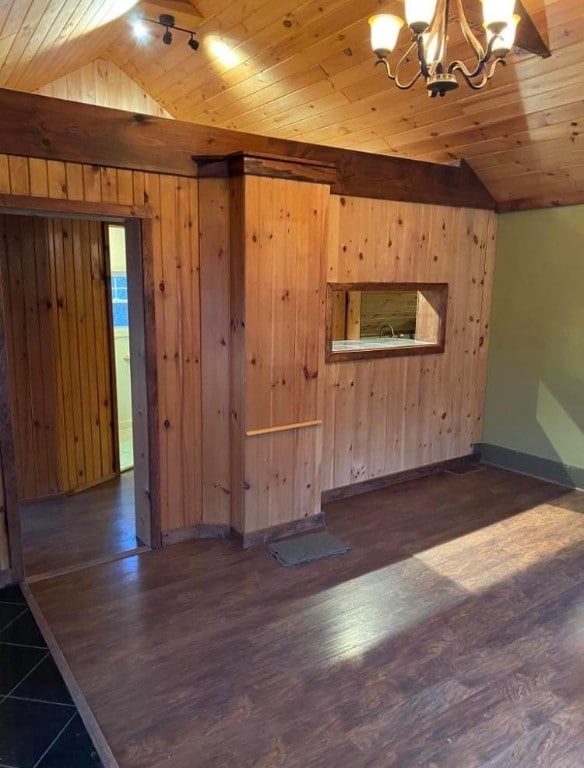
[428, 23]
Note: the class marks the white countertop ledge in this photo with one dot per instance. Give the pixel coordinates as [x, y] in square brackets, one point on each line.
[377, 342]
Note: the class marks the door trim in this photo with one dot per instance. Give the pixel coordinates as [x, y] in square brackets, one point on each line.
[137, 221]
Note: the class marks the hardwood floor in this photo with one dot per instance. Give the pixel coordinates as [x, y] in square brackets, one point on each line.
[452, 634]
[80, 528]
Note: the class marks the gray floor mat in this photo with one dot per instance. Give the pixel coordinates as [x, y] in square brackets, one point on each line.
[303, 549]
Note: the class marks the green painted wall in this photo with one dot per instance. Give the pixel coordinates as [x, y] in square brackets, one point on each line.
[535, 386]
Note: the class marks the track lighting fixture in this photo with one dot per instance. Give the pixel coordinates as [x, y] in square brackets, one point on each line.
[167, 21]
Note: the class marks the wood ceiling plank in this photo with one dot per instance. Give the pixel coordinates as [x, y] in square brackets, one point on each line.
[232, 20]
[51, 23]
[28, 26]
[307, 73]
[276, 42]
[562, 130]
[539, 183]
[14, 14]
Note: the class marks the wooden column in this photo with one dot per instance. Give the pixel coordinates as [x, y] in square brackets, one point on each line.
[278, 218]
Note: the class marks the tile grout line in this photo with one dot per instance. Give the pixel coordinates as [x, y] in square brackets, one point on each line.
[10, 623]
[39, 701]
[89, 720]
[28, 674]
[55, 740]
[24, 645]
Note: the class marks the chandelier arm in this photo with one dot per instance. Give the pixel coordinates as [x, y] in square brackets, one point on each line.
[419, 73]
[405, 86]
[470, 36]
[470, 78]
[499, 60]
[460, 66]
[385, 63]
[395, 77]
[409, 51]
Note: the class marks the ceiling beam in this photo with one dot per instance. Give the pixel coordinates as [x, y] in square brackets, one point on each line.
[528, 37]
[38, 126]
[185, 14]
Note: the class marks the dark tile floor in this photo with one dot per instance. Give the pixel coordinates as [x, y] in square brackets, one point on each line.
[39, 723]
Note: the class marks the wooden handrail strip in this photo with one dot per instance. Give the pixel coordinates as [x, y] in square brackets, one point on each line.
[283, 428]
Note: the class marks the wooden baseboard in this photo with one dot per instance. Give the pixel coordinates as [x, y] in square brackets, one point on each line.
[5, 578]
[101, 746]
[73, 492]
[378, 483]
[199, 531]
[257, 538]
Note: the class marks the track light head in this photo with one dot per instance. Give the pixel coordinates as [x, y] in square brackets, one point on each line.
[168, 22]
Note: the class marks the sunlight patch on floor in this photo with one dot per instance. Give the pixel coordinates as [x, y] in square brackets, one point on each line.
[522, 533]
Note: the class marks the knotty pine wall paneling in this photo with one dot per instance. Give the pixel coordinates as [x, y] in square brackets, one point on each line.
[173, 202]
[28, 318]
[387, 415]
[104, 84]
[278, 324]
[215, 240]
[58, 346]
[81, 349]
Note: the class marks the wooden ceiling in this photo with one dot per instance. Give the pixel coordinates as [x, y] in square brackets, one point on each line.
[304, 71]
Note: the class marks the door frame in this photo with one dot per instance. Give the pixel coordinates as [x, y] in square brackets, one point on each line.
[137, 221]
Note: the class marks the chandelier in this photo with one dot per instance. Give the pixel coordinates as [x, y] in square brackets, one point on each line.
[428, 22]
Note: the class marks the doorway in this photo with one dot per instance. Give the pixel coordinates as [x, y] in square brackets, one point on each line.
[73, 311]
[120, 344]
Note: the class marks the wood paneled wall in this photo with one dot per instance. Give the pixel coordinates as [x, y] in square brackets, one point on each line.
[173, 201]
[285, 226]
[215, 253]
[104, 84]
[28, 310]
[379, 417]
[58, 344]
[388, 415]
[82, 348]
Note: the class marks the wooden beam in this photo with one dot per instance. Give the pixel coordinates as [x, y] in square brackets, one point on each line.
[185, 14]
[261, 164]
[38, 126]
[528, 37]
[50, 206]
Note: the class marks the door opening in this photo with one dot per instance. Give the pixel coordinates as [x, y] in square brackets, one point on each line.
[120, 325]
[75, 327]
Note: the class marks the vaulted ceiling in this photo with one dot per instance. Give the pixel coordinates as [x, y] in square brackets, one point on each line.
[304, 71]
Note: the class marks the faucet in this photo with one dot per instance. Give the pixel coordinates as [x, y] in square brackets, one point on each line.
[387, 327]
